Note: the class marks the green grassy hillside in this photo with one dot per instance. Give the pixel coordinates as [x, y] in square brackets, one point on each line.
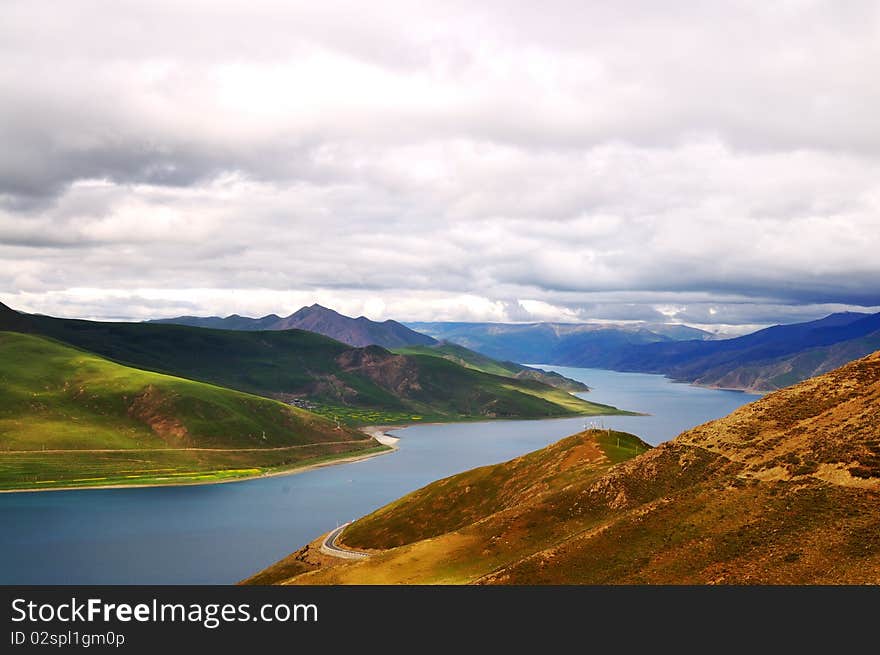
[449, 531]
[479, 362]
[458, 390]
[353, 385]
[257, 362]
[462, 499]
[57, 398]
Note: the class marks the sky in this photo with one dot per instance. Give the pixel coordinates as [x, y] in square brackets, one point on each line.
[716, 164]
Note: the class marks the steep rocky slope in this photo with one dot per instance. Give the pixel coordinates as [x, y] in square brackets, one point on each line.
[785, 490]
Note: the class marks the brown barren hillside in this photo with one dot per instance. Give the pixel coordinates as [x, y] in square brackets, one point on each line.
[785, 490]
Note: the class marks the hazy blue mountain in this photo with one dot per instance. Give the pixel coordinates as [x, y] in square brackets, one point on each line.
[553, 343]
[764, 360]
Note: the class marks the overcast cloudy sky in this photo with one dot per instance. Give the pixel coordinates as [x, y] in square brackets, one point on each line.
[712, 163]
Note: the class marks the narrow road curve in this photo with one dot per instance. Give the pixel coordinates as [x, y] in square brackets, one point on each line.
[330, 547]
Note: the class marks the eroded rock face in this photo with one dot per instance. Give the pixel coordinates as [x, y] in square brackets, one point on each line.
[154, 408]
[394, 372]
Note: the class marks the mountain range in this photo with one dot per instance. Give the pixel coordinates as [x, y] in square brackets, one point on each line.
[785, 490]
[358, 385]
[554, 343]
[765, 360]
[87, 403]
[359, 331]
[762, 361]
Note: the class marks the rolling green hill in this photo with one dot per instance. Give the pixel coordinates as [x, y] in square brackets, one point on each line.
[69, 417]
[479, 362]
[355, 385]
[785, 490]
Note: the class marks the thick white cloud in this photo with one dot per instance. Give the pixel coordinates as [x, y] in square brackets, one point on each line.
[718, 164]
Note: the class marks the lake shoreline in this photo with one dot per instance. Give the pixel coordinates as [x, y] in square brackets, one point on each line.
[390, 448]
[145, 537]
[378, 432]
[691, 383]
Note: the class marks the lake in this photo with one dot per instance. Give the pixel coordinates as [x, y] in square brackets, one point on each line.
[219, 534]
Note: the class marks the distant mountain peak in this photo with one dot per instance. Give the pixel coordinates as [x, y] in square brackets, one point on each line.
[317, 307]
[360, 331]
[313, 310]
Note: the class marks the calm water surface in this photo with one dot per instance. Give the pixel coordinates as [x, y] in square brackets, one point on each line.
[219, 534]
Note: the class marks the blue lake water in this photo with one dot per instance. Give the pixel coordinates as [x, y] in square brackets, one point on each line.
[219, 534]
